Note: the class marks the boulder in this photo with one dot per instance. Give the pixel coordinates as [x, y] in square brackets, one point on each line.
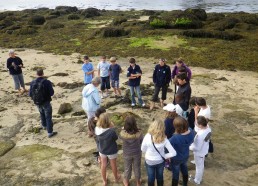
[119, 20]
[199, 13]
[60, 74]
[114, 32]
[73, 17]
[53, 25]
[90, 12]
[37, 20]
[66, 9]
[70, 85]
[79, 113]
[65, 108]
[226, 23]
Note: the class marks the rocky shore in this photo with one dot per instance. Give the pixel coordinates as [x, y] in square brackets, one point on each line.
[210, 40]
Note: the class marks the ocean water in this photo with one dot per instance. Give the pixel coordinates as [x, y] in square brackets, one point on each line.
[209, 5]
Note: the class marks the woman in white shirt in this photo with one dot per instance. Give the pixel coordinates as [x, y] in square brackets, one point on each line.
[153, 145]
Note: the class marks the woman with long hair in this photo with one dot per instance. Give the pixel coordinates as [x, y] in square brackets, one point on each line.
[132, 138]
[153, 145]
[107, 146]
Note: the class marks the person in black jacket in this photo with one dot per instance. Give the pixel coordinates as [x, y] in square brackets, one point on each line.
[45, 108]
[15, 65]
[184, 88]
[161, 80]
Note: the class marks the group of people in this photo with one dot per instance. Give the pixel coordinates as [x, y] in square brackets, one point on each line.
[167, 142]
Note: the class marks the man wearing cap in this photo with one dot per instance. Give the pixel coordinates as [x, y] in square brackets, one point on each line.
[15, 65]
[161, 80]
[88, 70]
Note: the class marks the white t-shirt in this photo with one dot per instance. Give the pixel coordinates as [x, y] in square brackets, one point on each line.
[103, 67]
[179, 110]
[205, 112]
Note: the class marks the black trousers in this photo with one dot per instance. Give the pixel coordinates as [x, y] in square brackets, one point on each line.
[164, 90]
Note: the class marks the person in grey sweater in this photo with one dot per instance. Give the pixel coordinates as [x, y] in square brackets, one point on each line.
[132, 138]
[106, 143]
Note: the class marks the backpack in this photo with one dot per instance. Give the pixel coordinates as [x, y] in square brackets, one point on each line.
[38, 92]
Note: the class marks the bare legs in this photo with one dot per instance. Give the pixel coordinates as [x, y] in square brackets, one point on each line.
[103, 167]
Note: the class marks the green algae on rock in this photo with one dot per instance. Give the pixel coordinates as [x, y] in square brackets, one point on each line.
[6, 146]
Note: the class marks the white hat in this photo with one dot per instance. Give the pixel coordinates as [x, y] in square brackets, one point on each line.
[11, 51]
[170, 107]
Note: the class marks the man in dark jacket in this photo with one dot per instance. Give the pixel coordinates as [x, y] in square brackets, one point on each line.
[161, 80]
[44, 106]
[15, 65]
[184, 88]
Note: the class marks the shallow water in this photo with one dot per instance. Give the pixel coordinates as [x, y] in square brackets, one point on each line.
[209, 5]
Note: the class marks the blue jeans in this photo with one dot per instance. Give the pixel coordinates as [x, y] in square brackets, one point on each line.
[155, 172]
[177, 165]
[45, 111]
[138, 92]
[18, 81]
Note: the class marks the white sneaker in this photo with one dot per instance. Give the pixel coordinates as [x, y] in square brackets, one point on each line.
[133, 104]
[193, 162]
[192, 180]
[102, 97]
[143, 105]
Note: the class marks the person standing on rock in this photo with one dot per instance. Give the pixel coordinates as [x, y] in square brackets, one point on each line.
[103, 72]
[88, 70]
[161, 80]
[15, 65]
[41, 91]
[134, 74]
[90, 98]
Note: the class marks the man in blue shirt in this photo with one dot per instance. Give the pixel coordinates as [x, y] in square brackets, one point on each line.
[88, 70]
[103, 72]
[115, 70]
[134, 74]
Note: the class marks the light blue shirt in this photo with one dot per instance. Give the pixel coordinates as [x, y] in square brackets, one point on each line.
[87, 67]
[104, 68]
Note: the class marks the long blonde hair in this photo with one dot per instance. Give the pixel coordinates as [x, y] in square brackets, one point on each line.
[157, 131]
[104, 121]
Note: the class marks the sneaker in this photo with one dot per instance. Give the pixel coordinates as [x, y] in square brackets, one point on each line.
[52, 134]
[143, 105]
[191, 179]
[133, 104]
[102, 97]
[192, 162]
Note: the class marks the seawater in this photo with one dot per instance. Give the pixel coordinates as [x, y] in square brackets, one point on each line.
[209, 5]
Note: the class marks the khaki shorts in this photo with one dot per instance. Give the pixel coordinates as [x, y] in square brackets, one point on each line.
[112, 156]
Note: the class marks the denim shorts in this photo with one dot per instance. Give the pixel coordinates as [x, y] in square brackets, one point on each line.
[112, 156]
[115, 83]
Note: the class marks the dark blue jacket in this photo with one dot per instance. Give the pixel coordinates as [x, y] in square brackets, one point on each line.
[14, 70]
[136, 70]
[169, 127]
[181, 145]
[49, 91]
[161, 75]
